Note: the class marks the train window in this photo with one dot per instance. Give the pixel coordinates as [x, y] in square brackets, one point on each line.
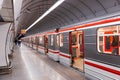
[40, 40]
[29, 40]
[52, 39]
[57, 39]
[74, 39]
[61, 40]
[34, 40]
[108, 40]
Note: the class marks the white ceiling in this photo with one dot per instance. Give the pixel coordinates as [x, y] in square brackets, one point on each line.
[7, 11]
[68, 13]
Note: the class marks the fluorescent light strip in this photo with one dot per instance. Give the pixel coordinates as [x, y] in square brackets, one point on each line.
[46, 13]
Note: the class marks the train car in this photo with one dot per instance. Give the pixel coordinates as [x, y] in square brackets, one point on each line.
[64, 55]
[41, 43]
[31, 41]
[26, 41]
[46, 44]
[53, 46]
[34, 42]
[101, 56]
[92, 48]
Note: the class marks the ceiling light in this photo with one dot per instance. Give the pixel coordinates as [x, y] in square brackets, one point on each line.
[46, 13]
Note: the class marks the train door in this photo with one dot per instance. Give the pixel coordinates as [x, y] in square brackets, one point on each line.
[77, 50]
[46, 44]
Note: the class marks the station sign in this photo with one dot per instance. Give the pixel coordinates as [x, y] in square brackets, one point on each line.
[23, 31]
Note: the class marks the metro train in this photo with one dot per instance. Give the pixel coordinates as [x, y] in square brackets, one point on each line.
[92, 48]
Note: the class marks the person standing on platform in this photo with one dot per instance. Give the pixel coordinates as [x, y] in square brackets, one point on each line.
[19, 42]
[115, 44]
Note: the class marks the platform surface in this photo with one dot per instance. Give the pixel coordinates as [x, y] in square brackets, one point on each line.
[29, 64]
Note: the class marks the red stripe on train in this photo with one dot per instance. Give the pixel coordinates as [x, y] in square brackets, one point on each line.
[103, 68]
[53, 52]
[40, 47]
[65, 55]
